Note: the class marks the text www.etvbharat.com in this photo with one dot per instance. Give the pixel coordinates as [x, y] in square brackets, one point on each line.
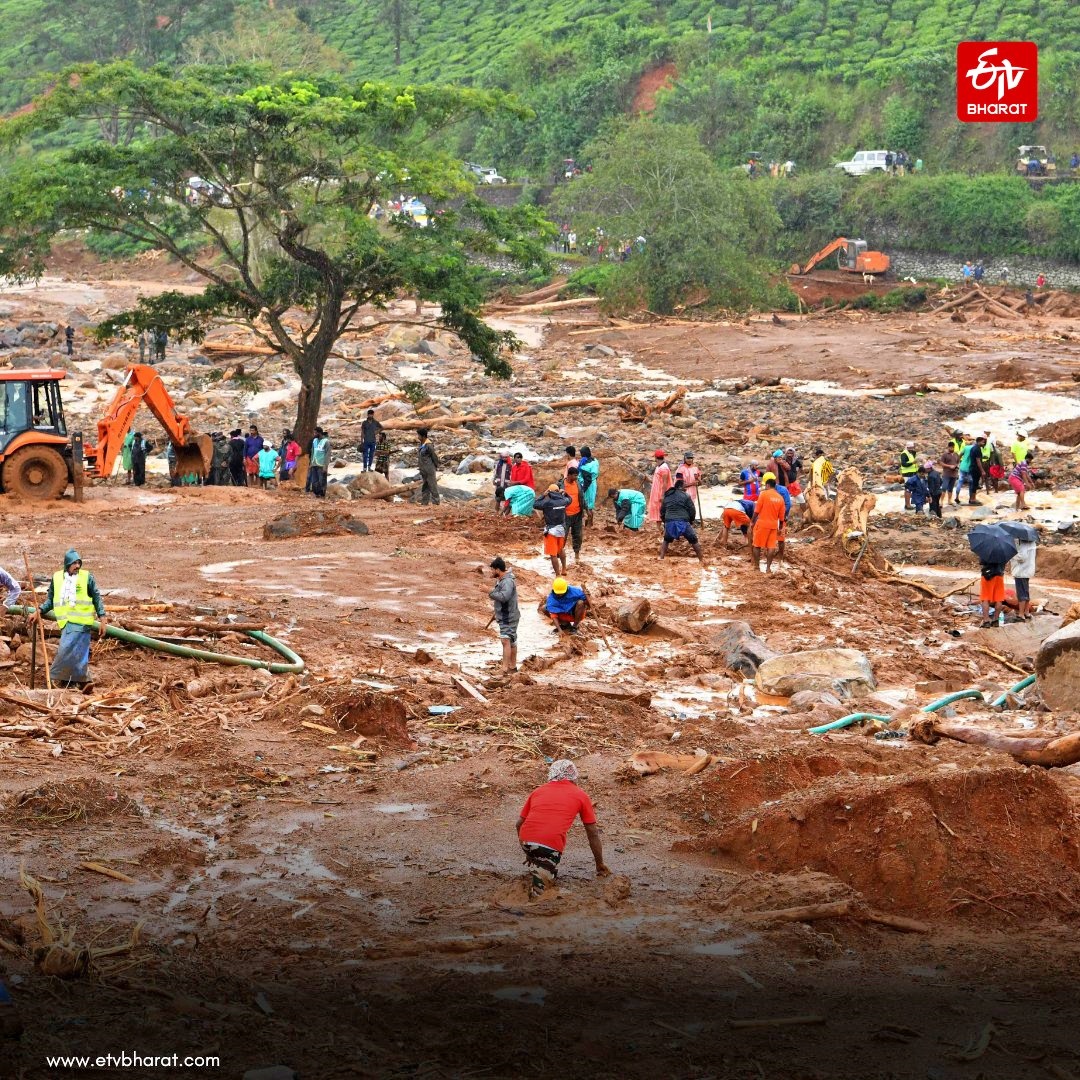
[134, 1061]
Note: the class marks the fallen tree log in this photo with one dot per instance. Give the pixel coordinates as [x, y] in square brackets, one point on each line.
[553, 305]
[742, 651]
[590, 403]
[434, 424]
[1057, 752]
[372, 402]
[635, 616]
[838, 909]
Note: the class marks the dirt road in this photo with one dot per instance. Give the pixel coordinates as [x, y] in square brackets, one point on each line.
[325, 872]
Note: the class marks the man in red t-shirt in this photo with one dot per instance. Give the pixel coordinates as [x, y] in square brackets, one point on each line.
[545, 820]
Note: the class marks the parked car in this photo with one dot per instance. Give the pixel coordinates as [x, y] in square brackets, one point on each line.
[485, 174]
[864, 161]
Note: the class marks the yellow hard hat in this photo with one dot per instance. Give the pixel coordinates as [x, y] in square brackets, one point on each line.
[559, 586]
[767, 477]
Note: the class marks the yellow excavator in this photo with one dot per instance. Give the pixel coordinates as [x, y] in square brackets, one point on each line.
[36, 456]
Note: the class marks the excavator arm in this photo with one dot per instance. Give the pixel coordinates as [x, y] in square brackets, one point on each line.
[142, 385]
[824, 253]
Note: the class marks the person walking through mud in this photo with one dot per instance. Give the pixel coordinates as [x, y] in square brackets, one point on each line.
[552, 504]
[575, 510]
[768, 523]
[75, 601]
[588, 479]
[661, 481]
[546, 818]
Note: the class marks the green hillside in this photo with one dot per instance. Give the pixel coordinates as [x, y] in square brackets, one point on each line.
[806, 79]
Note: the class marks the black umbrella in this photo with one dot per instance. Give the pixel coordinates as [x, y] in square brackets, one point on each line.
[1020, 530]
[991, 544]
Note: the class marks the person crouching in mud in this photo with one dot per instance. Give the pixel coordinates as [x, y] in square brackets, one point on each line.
[545, 819]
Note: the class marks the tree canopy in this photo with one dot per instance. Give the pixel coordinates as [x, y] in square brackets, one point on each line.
[281, 219]
[700, 227]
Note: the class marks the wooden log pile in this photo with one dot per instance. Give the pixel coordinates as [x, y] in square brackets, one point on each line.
[1000, 303]
[633, 410]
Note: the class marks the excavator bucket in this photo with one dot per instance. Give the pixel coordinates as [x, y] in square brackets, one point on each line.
[196, 456]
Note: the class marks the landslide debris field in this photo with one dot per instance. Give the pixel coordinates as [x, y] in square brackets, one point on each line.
[323, 873]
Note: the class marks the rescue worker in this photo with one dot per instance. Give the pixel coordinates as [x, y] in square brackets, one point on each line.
[629, 507]
[737, 515]
[575, 510]
[504, 599]
[909, 467]
[75, 602]
[428, 462]
[677, 514]
[566, 605]
[768, 522]
[552, 504]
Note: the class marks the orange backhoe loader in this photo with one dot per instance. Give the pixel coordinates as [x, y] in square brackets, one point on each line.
[35, 447]
[853, 257]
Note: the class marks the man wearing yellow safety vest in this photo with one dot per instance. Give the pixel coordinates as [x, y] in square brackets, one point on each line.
[75, 602]
[909, 466]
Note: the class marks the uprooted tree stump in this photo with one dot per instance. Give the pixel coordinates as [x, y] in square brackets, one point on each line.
[740, 648]
[1049, 751]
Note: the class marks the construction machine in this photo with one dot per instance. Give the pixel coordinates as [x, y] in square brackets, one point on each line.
[36, 459]
[852, 257]
[1035, 161]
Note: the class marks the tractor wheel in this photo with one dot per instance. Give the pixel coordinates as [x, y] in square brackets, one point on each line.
[36, 472]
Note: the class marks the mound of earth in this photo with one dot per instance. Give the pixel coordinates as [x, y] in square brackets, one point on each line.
[80, 799]
[365, 712]
[1064, 432]
[322, 522]
[986, 841]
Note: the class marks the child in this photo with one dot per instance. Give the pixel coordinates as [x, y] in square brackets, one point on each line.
[1023, 570]
[992, 592]
[917, 489]
[292, 455]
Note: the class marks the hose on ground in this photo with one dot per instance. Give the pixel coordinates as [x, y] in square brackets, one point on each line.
[948, 699]
[293, 665]
[1023, 684]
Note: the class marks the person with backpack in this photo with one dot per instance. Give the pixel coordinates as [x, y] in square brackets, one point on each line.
[552, 504]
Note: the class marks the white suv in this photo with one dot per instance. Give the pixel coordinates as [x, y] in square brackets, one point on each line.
[864, 161]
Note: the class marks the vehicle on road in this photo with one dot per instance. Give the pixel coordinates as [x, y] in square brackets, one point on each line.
[864, 161]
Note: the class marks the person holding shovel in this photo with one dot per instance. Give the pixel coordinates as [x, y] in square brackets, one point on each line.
[75, 601]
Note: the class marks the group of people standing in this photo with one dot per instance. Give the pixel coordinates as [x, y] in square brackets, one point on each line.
[974, 463]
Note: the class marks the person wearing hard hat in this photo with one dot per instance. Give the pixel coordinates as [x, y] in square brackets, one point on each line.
[75, 602]
[768, 523]
[909, 467]
[566, 605]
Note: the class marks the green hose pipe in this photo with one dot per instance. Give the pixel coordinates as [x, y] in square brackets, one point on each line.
[294, 664]
[948, 699]
[847, 721]
[1023, 684]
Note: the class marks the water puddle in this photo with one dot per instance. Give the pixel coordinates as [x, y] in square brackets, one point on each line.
[729, 947]
[406, 811]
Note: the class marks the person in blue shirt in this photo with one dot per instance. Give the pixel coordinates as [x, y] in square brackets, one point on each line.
[918, 490]
[566, 605]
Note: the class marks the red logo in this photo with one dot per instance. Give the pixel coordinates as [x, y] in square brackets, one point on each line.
[997, 82]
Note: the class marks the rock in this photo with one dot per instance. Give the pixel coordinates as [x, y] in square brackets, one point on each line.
[430, 347]
[518, 426]
[1057, 665]
[114, 362]
[5, 652]
[321, 522]
[475, 463]
[22, 653]
[740, 648]
[405, 335]
[339, 492]
[844, 672]
[599, 350]
[313, 710]
[981, 513]
[539, 407]
[367, 482]
[809, 699]
[389, 409]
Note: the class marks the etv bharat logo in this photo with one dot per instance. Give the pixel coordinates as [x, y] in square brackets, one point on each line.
[997, 81]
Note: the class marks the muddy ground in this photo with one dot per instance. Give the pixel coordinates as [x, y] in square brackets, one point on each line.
[325, 873]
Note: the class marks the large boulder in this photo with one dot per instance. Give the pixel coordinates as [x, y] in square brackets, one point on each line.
[843, 672]
[323, 521]
[1057, 665]
[740, 648]
[368, 482]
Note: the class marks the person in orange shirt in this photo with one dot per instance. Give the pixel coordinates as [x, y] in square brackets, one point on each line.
[769, 512]
[575, 512]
